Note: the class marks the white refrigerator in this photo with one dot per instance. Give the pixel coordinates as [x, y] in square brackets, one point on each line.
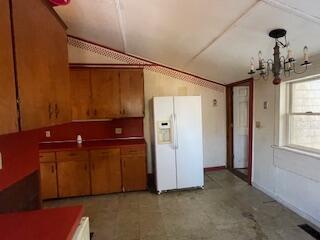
[177, 142]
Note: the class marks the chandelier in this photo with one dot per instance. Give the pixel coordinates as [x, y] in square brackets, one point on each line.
[280, 64]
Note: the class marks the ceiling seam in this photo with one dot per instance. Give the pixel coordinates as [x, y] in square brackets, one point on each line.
[121, 25]
[289, 9]
[222, 33]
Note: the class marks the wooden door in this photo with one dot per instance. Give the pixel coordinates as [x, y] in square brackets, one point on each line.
[80, 93]
[8, 107]
[38, 62]
[105, 171]
[132, 93]
[134, 169]
[240, 126]
[49, 187]
[73, 178]
[105, 93]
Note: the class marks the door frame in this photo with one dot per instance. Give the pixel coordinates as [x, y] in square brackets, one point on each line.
[229, 95]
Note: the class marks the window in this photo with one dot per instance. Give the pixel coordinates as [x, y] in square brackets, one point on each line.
[304, 114]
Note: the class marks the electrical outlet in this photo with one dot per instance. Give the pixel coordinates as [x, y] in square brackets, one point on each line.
[215, 102]
[258, 124]
[0, 161]
[48, 134]
[118, 130]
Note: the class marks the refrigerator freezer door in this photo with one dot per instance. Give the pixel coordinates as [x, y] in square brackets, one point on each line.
[165, 164]
[189, 147]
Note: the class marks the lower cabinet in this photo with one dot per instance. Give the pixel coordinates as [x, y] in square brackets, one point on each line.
[73, 178]
[98, 171]
[49, 187]
[134, 169]
[105, 171]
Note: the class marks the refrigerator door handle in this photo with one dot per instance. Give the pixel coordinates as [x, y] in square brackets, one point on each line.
[173, 133]
[176, 132]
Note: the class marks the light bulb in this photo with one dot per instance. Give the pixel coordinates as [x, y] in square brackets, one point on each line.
[260, 55]
[306, 54]
[252, 68]
[290, 54]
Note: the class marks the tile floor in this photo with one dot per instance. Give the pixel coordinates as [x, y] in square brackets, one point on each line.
[227, 209]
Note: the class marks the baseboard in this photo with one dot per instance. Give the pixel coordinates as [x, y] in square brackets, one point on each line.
[212, 169]
[288, 205]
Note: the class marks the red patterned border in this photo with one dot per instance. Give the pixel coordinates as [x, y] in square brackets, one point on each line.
[127, 59]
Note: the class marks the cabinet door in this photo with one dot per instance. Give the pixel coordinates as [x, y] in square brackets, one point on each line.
[132, 93]
[8, 107]
[134, 171]
[73, 178]
[49, 188]
[105, 171]
[105, 93]
[60, 77]
[37, 61]
[80, 93]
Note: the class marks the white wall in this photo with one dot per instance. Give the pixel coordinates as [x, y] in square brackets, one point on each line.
[291, 177]
[158, 84]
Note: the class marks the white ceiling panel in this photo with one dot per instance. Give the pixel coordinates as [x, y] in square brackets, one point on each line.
[309, 7]
[95, 20]
[173, 31]
[228, 59]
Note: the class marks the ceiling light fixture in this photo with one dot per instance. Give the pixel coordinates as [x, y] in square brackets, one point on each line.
[279, 64]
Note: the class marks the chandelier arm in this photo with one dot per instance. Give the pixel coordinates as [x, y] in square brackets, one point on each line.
[297, 72]
[281, 44]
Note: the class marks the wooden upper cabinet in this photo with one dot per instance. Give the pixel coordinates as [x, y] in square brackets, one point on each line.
[132, 93]
[8, 107]
[80, 93]
[60, 77]
[102, 93]
[41, 64]
[105, 93]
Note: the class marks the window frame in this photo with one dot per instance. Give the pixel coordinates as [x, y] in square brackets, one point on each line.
[290, 113]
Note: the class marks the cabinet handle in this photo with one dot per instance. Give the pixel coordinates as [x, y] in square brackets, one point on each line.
[50, 110]
[52, 168]
[124, 112]
[85, 167]
[88, 113]
[57, 111]
[95, 112]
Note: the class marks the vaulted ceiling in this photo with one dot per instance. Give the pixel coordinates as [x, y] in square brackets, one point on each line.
[214, 39]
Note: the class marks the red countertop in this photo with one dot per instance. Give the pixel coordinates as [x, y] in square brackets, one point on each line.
[46, 224]
[91, 144]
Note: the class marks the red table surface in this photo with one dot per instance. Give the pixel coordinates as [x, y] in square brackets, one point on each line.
[45, 224]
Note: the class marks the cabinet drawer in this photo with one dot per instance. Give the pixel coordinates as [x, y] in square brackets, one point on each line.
[72, 155]
[134, 150]
[102, 154]
[47, 157]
